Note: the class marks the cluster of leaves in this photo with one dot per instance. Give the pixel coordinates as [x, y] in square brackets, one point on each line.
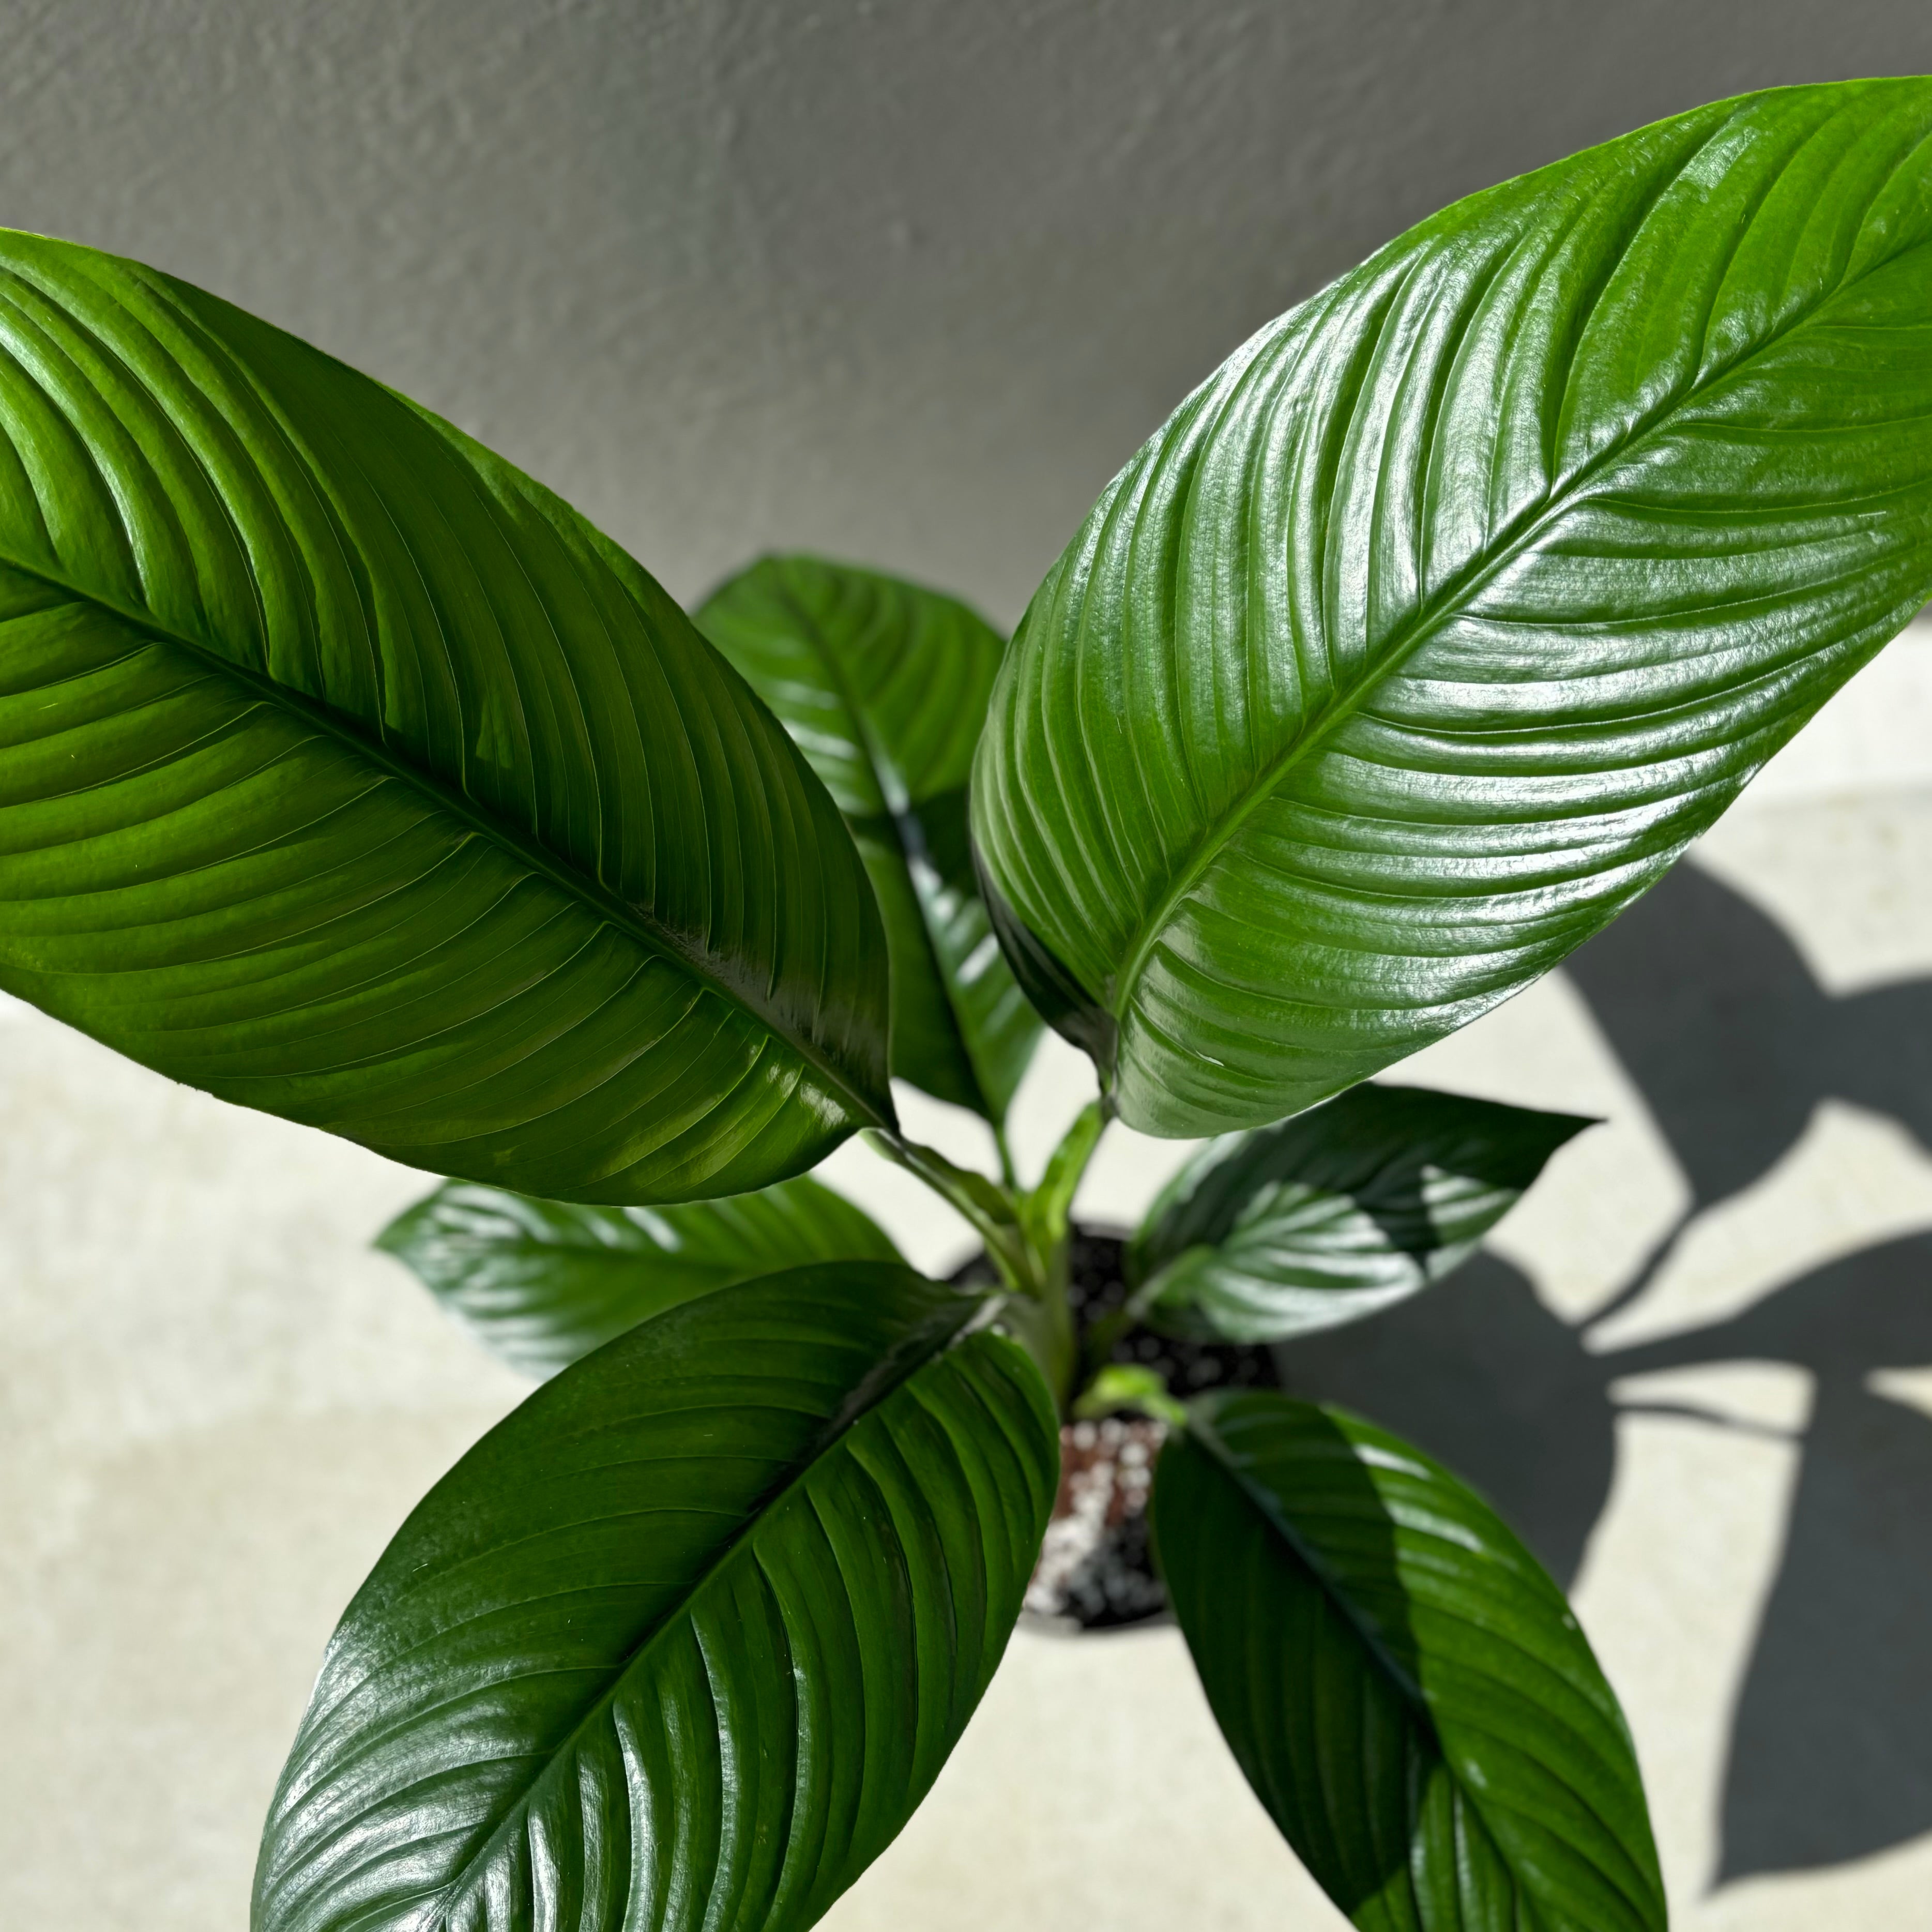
[347, 773]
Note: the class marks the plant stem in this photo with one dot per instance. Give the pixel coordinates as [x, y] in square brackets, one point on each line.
[1044, 1212]
[1046, 1325]
[1042, 1324]
[1009, 1174]
[1027, 1234]
[987, 1207]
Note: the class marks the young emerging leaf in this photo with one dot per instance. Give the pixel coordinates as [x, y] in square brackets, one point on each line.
[1405, 1690]
[1428, 631]
[1335, 1213]
[542, 1282]
[884, 686]
[684, 1641]
[350, 774]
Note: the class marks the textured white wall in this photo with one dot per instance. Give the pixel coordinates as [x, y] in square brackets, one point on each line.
[905, 279]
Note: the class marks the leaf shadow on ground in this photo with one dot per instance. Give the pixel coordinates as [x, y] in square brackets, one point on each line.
[1713, 1013]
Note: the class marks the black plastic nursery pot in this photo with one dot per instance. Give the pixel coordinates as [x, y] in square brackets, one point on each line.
[1096, 1569]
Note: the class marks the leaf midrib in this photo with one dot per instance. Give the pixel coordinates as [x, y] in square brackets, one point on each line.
[1201, 1427]
[1428, 618]
[650, 932]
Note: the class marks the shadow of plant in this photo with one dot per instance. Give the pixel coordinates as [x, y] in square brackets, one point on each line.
[1718, 1020]
[1713, 1013]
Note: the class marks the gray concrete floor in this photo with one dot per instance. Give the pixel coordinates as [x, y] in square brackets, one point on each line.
[216, 1403]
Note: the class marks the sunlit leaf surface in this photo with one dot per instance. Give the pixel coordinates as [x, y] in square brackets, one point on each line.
[1344, 1210]
[1428, 631]
[347, 773]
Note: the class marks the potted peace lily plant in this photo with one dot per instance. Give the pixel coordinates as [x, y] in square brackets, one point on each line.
[350, 774]
[1265, 1235]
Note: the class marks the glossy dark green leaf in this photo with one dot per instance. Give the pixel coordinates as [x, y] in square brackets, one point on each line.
[347, 773]
[884, 686]
[542, 1282]
[1341, 1211]
[1427, 632]
[1405, 1690]
[683, 1642]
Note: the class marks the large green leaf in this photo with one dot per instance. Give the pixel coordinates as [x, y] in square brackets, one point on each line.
[884, 686]
[346, 772]
[683, 1642]
[542, 1282]
[1342, 1211]
[1426, 634]
[1405, 1690]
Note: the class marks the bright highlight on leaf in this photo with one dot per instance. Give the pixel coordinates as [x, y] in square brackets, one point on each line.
[684, 1641]
[1428, 631]
[542, 1282]
[1346, 1209]
[884, 687]
[1405, 1690]
[350, 774]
